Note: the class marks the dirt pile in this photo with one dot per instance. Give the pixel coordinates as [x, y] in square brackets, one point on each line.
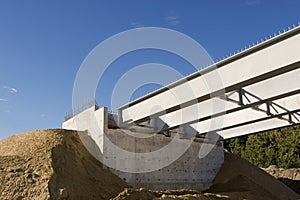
[290, 177]
[237, 179]
[131, 194]
[239, 176]
[53, 164]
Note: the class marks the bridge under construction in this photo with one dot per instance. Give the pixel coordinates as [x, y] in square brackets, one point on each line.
[252, 91]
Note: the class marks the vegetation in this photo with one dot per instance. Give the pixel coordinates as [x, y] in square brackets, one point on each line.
[280, 147]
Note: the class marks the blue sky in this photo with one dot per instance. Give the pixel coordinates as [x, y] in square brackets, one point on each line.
[43, 43]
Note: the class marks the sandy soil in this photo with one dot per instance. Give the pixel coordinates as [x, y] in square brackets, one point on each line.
[238, 179]
[290, 177]
[53, 164]
[238, 175]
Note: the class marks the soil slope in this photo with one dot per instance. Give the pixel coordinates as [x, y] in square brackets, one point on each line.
[53, 164]
[290, 177]
[239, 175]
[238, 179]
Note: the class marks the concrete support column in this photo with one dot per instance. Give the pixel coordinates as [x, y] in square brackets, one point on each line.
[120, 119]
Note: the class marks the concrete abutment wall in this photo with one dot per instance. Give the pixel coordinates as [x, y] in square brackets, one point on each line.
[186, 172]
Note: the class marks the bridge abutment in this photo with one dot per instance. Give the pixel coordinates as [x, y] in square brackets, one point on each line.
[188, 171]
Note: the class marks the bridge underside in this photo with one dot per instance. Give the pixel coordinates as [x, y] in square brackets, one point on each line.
[250, 92]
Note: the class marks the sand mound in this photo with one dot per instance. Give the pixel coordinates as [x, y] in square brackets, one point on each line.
[238, 175]
[137, 194]
[53, 164]
[237, 179]
[290, 177]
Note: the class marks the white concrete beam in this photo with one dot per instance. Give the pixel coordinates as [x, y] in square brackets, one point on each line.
[247, 116]
[281, 57]
[271, 90]
[258, 127]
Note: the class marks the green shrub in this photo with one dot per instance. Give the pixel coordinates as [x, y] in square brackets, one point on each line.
[280, 147]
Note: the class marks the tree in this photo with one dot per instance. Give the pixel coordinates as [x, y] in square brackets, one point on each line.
[280, 147]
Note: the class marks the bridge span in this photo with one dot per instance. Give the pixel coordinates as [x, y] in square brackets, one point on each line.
[250, 92]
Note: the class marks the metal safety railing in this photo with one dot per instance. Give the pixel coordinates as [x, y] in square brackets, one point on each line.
[89, 103]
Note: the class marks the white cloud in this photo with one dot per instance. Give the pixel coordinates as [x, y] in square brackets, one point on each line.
[13, 90]
[3, 100]
[253, 2]
[43, 115]
[136, 24]
[10, 89]
[172, 20]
